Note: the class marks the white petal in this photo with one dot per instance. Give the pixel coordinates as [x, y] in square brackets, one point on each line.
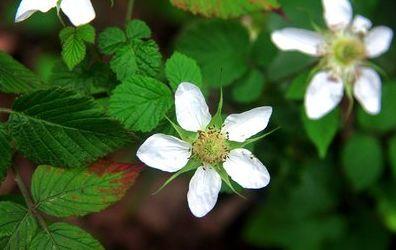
[191, 110]
[164, 152]
[79, 12]
[246, 170]
[361, 24]
[367, 90]
[378, 41]
[337, 13]
[28, 7]
[305, 41]
[203, 191]
[323, 95]
[242, 126]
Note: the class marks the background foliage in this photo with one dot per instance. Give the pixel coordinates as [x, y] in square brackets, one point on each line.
[80, 94]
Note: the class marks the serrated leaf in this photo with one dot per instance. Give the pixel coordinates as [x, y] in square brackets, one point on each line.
[5, 152]
[124, 62]
[137, 29]
[225, 8]
[77, 192]
[322, 132]
[16, 78]
[63, 236]
[249, 88]
[362, 161]
[180, 68]
[220, 48]
[140, 103]
[110, 40]
[64, 129]
[17, 226]
[73, 43]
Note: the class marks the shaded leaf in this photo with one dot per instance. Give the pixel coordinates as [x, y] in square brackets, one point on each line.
[249, 88]
[5, 152]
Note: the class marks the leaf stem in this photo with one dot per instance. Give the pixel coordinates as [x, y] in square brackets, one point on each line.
[28, 199]
[5, 110]
[129, 10]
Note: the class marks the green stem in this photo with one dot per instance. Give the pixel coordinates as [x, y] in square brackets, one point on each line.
[29, 202]
[129, 10]
[5, 110]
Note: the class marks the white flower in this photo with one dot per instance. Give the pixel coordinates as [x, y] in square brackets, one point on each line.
[344, 50]
[216, 150]
[78, 11]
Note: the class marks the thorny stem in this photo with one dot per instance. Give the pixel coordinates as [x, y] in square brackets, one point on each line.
[129, 10]
[29, 202]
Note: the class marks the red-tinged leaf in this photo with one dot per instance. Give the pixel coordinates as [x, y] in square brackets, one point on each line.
[77, 192]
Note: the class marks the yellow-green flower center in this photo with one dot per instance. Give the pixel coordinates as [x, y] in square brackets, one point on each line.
[211, 146]
[348, 50]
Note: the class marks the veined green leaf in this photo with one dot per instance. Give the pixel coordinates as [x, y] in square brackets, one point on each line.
[140, 103]
[180, 68]
[137, 29]
[63, 129]
[5, 152]
[225, 8]
[17, 226]
[16, 78]
[77, 192]
[110, 40]
[63, 236]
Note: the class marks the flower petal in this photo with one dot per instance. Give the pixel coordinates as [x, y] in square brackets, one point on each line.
[337, 13]
[246, 169]
[79, 12]
[378, 41]
[191, 110]
[164, 152]
[323, 95]
[367, 90]
[244, 125]
[305, 41]
[203, 191]
[361, 24]
[28, 7]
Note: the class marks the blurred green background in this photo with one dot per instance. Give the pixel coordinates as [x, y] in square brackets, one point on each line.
[333, 181]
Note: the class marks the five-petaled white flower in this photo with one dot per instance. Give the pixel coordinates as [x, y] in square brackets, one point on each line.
[78, 11]
[215, 151]
[344, 50]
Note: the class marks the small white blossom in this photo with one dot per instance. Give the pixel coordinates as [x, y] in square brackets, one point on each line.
[343, 50]
[210, 147]
[79, 12]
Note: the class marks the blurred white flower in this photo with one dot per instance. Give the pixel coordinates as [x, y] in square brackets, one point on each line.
[214, 148]
[79, 12]
[344, 50]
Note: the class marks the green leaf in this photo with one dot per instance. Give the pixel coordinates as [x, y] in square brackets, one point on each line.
[296, 90]
[386, 120]
[17, 226]
[110, 40]
[124, 62]
[62, 236]
[220, 48]
[5, 152]
[140, 103]
[225, 8]
[180, 68]
[64, 129]
[392, 154]
[137, 29]
[249, 88]
[263, 51]
[77, 192]
[16, 78]
[73, 43]
[362, 161]
[322, 132]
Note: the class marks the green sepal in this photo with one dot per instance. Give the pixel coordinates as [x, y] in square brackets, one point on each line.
[185, 135]
[234, 145]
[226, 179]
[192, 164]
[217, 120]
